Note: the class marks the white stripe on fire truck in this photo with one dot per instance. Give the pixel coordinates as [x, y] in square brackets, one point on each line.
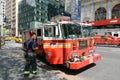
[58, 45]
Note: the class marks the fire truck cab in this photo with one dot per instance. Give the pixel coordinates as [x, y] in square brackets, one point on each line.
[66, 43]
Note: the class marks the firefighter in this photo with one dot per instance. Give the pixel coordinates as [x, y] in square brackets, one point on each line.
[31, 65]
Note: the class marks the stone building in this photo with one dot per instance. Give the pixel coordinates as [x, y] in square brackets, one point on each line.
[2, 16]
[99, 9]
[11, 14]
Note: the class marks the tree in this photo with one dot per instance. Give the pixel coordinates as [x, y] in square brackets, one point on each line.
[4, 31]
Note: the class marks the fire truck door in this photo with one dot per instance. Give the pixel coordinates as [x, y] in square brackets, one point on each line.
[40, 40]
[53, 45]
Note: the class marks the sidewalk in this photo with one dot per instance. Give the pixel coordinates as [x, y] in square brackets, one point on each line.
[12, 65]
[13, 62]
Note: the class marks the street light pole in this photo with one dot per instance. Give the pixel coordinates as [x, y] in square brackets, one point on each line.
[16, 31]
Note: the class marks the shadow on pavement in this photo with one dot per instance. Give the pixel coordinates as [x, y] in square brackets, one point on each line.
[11, 67]
[63, 68]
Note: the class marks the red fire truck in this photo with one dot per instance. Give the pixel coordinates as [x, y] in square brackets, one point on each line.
[107, 31]
[66, 43]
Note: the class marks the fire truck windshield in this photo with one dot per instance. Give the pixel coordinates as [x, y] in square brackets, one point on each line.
[86, 31]
[70, 31]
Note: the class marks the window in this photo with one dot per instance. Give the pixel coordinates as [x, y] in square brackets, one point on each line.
[70, 31]
[49, 31]
[100, 13]
[46, 32]
[39, 32]
[116, 11]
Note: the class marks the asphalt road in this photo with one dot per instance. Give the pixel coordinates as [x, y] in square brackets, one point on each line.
[106, 69]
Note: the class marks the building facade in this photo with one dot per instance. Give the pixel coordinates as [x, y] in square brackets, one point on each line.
[2, 16]
[55, 8]
[32, 13]
[73, 7]
[11, 16]
[92, 10]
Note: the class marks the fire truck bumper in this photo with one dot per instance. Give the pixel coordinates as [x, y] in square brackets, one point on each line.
[90, 60]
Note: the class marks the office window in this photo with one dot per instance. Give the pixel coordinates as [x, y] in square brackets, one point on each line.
[100, 13]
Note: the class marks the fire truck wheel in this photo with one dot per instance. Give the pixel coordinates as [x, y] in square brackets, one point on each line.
[118, 45]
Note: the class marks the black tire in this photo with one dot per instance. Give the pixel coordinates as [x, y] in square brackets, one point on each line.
[118, 45]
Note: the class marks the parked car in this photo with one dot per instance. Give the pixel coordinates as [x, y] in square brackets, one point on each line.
[8, 38]
[18, 39]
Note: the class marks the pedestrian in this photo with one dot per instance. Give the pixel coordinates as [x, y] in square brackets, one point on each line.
[30, 56]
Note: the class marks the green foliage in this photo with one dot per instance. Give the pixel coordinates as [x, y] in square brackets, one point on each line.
[4, 31]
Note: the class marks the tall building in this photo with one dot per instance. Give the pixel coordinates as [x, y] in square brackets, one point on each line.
[73, 7]
[55, 7]
[2, 15]
[11, 16]
[32, 13]
[92, 10]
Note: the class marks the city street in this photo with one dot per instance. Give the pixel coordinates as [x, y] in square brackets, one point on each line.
[62, 34]
[12, 64]
[106, 69]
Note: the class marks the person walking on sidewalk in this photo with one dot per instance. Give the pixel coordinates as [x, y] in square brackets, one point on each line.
[31, 65]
